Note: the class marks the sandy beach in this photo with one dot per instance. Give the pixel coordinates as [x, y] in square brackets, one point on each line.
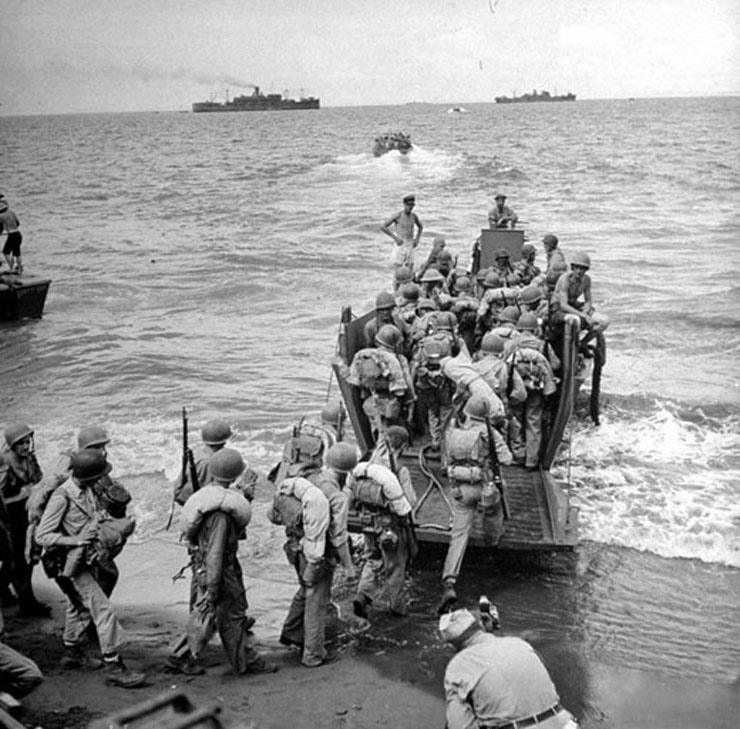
[390, 676]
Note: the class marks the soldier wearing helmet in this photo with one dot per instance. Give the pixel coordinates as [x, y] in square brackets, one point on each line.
[305, 623]
[71, 521]
[405, 229]
[501, 215]
[572, 294]
[465, 309]
[468, 465]
[496, 373]
[383, 376]
[219, 517]
[433, 260]
[493, 302]
[556, 264]
[19, 474]
[401, 276]
[525, 268]
[215, 434]
[385, 313]
[505, 270]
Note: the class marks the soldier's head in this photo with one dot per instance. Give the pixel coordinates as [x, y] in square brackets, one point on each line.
[458, 627]
[88, 465]
[226, 466]
[333, 414]
[215, 433]
[19, 438]
[397, 437]
[550, 242]
[341, 458]
[389, 337]
[93, 436]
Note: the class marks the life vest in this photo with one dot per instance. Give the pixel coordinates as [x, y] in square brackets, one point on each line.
[529, 363]
[213, 498]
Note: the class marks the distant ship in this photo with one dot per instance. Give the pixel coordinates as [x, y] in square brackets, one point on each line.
[534, 96]
[258, 101]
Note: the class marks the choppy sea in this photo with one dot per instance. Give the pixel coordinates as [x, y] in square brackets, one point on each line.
[202, 260]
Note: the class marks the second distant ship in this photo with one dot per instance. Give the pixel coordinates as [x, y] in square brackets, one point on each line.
[258, 101]
[534, 96]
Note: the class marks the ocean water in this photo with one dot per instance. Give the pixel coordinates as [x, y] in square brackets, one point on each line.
[202, 261]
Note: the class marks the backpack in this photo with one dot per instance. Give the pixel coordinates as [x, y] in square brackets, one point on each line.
[306, 444]
[526, 361]
[372, 371]
[465, 456]
[429, 356]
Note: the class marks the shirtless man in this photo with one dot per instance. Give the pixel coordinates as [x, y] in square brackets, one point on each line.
[572, 293]
[405, 241]
[10, 224]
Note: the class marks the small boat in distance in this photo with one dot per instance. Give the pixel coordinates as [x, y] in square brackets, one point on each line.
[534, 96]
[22, 296]
[457, 110]
[392, 140]
[257, 101]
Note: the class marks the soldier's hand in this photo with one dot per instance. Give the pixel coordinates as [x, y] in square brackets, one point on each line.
[87, 535]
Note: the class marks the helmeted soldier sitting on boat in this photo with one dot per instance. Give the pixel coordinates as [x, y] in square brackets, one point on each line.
[407, 301]
[502, 266]
[556, 265]
[472, 470]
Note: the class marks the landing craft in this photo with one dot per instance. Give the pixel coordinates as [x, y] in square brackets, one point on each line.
[541, 515]
[22, 296]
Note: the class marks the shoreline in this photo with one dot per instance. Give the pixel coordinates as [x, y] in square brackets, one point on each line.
[391, 676]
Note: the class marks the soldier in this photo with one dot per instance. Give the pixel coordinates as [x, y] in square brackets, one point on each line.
[385, 313]
[525, 268]
[526, 357]
[470, 470]
[556, 265]
[572, 293]
[501, 215]
[305, 624]
[215, 434]
[497, 682]
[494, 300]
[212, 521]
[503, 378]
[438, 248]
[19, 473]
[505, 270]
[465, 309]
[401, 276]
[71, 520]
[387, 532]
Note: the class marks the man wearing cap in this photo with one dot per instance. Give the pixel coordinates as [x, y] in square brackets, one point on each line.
[71, 520]
[10, 224]
[525, 268]
[497, 683]
[501, 215]
[406, 234]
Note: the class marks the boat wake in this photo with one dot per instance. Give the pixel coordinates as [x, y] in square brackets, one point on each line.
[662, 480]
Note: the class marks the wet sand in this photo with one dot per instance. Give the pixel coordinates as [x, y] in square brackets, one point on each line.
[390, 676]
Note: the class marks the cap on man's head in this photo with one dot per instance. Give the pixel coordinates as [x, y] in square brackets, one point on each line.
[458, 626]
[499, 196]
[409, 198]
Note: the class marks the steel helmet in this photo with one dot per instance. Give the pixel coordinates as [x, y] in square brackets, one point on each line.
[462, 283]
[389, 336]
[397, 436]
[492, 280]
[502, 254]
[492, 343]
[477, 408]
[432, 275]
[89, 464]
[509, 314]
[215, 432]
[226, 465]
[550, 240]
[444, 255]
[552, 277]
[528, 249]
[341, 457]
[527, 322]
[579, 258]
[447, 321]
[410, 292]
[17, 432]
[332, 412]
[402, 275]
[92, 436]
[530, 294]
[384, 300]
[426, 305]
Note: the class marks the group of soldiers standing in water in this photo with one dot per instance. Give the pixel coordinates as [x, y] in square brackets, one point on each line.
[74, 519]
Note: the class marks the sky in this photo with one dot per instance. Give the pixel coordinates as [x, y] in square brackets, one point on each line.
[68, 56]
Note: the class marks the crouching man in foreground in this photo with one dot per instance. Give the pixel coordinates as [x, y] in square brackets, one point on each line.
[497, 682]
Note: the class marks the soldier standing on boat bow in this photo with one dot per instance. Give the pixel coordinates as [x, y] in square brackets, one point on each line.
[406, 240]
[10, 224]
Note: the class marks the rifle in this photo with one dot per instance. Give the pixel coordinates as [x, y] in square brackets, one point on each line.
[496, 469]
[188, 466]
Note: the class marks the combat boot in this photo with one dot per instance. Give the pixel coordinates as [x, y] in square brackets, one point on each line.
[116, 674]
